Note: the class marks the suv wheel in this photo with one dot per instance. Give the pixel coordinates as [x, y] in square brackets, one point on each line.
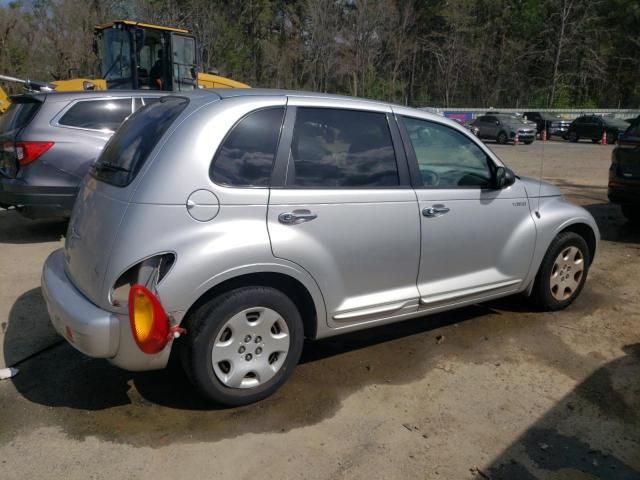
[243, 345]
[502, 138]
[573, 137]
[631, 212]
[562, 273]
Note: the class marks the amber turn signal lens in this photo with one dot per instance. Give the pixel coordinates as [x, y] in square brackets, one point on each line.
[149, 323]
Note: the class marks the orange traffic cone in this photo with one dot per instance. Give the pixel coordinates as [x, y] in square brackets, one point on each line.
[603, 140]
[515, 140]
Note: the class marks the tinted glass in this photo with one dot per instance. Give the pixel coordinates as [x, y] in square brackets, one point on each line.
[446, 157]
[342, 148]
[150, 100]
[18, 115]
[126, 152]
[98, 114]
[246, 156]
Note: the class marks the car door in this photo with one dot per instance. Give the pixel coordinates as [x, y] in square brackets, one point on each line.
[345, 210]
[477, 240]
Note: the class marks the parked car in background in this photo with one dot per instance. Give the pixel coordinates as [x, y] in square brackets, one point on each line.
[553, 124]
[593, 128]
[624, 173]
[48, 141]
[245, 220]
[468, 125]
[503, 128]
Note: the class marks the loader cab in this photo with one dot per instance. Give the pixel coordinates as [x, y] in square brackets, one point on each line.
[136, 56]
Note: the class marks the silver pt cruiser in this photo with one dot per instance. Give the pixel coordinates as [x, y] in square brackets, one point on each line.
[243, 221]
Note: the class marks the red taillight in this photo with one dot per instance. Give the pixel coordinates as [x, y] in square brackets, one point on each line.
[27, 152]
[149, 323]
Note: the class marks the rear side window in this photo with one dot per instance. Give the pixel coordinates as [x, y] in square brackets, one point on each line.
[334, 148]
[245, 158]
[106, 115]
[18, 115]
[126, 152]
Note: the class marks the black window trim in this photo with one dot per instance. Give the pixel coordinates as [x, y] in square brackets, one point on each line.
[282, 173]
[412, 158]
[275, 160]
[55, 122]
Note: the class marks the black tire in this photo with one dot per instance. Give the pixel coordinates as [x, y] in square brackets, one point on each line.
[541, 294]
[565, 136]
[204, 325]
[573, 137]
[631, 212]
[528, 142]
[502, 138]
[595, 140]
[611, 138]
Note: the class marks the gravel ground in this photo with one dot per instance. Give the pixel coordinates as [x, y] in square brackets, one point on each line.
[505, 393]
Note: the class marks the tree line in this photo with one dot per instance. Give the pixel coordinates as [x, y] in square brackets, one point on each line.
[444, 53]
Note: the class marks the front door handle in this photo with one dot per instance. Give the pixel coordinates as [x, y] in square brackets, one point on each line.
[297, 216]
[435, 211]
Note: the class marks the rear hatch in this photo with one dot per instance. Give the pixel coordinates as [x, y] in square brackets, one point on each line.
[627, 152]
[22, 110]
[104, 195]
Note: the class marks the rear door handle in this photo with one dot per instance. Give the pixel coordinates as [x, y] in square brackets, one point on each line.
[297, 216]
[435, 211]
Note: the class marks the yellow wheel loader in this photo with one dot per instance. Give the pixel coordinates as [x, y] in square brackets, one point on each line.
[133, 56]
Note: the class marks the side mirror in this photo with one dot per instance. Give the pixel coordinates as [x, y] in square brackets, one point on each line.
[504, 177]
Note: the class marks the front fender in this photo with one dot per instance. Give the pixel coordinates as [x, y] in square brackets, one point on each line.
[556, 215]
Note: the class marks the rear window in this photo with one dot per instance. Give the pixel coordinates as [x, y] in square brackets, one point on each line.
[19, 114]
[126, 152]
[105, 115]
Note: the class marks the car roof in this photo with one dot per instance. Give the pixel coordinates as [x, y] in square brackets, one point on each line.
[224, 93]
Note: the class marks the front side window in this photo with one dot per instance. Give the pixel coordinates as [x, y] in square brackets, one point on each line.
[447, 158]
[246, 156]
[334, 148]
[105, 115]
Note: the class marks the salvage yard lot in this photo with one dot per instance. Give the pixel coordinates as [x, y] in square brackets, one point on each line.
[495, 390]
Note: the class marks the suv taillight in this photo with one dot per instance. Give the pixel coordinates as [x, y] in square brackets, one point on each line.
[26, 152]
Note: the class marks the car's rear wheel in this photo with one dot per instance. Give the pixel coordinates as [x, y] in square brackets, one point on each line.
[502, 138]
[243, 345]
[573, 137]
[562, 273]
[631, 212]
[611, 138]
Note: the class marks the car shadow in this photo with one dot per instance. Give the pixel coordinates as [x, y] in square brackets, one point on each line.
[54, 374]
[17, 229]
[593, 432]
[613, 226]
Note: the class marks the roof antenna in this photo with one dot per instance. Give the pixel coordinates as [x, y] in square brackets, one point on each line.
[543, 138]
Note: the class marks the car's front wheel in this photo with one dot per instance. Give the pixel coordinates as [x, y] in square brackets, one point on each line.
[562, 273]
[573, 137]
[243, 345]
[502, 138]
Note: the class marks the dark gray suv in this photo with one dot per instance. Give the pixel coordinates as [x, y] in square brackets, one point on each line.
[48, 141]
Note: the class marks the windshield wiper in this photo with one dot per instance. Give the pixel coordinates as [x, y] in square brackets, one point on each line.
[111, 166]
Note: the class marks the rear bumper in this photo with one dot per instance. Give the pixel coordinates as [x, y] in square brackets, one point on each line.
[88, 328]
[42, 201]
[93, 331]
[624, 193]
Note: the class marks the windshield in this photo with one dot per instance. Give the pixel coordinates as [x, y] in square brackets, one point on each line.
[114, 51]
[616, 122]
[126, 152]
